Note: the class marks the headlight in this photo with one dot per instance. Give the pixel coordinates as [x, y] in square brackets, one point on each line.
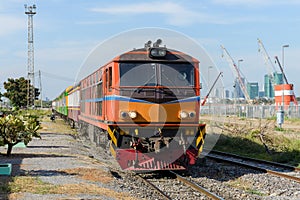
[157, 52]
[132, 114]
[183, 115]
[123, 114]
[192, 114]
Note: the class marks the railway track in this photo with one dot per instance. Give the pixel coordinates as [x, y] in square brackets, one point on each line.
[278, 169]
[197, 187]
[164, 186]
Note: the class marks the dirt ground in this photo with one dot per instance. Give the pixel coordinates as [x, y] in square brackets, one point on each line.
[58, 166]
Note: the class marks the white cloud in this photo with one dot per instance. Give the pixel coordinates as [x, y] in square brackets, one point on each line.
[154, 7]
[256, 2]
[67, 51]
[11, 24]
[175, 14]
[96, 22]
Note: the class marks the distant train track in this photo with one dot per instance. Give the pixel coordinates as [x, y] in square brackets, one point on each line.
[188, 188]
[278, 169]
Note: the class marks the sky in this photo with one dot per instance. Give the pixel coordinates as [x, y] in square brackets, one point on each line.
[67, 33]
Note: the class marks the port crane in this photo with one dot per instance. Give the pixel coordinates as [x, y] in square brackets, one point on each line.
[286, 81]
[269, 64]
[236, 71]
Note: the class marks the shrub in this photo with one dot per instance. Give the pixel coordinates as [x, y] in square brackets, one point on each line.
[18, 128]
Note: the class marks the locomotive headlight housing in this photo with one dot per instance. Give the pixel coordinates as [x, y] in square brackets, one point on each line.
[157, 52]
[183, 115]
[192, 114]
[123, 114]
[132, 114]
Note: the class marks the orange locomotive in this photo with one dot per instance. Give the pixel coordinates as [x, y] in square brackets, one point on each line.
[146, 104]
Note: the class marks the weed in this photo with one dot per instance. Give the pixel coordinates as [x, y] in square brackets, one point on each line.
[257, 192]
[245, 185]
[259, 140]
[279, 129]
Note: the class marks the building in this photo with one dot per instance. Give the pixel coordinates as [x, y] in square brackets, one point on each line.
[252, 89]
[238, 92]
[261, 94]
[227, 94]
[278, 77]
[217, 93]
[268, 85]
[269, 91]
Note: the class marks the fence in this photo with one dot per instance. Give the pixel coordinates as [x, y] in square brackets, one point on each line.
[248, 111]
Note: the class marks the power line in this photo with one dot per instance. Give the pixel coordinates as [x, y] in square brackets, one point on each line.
[57, 77]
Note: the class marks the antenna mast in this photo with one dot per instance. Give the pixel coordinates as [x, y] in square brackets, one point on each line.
[30, 11]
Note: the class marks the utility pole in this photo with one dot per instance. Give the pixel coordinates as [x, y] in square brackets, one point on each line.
[30, 11]
[40, 80]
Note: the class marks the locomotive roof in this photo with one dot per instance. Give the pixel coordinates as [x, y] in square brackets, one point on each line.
[143, 55]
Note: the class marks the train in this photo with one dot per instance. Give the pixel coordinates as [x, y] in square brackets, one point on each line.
[144, 105]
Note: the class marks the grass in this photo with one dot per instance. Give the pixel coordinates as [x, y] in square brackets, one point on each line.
[286, 119]
[293, 120]
[90, 174]
[58, 126]
[28, 184]
[279, 129]
[245, 185]
[13, 187]
[286, 152]
[31, 185]
[283, 145]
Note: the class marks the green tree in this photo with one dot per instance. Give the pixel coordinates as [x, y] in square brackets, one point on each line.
[18, 128]
[16, 91]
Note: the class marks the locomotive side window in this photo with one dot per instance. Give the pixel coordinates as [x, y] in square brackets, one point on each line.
[93, 104]
[106, 78]
[82, 103]
[110, 78]
[99, 100]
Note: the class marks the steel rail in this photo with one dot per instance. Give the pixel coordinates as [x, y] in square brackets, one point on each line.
[256, 168]
[289, 167]
[155, 188]
[197, 187]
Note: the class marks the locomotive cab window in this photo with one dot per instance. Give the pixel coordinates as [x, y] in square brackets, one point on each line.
[177, 75]
[154, 74]
[136, 74]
